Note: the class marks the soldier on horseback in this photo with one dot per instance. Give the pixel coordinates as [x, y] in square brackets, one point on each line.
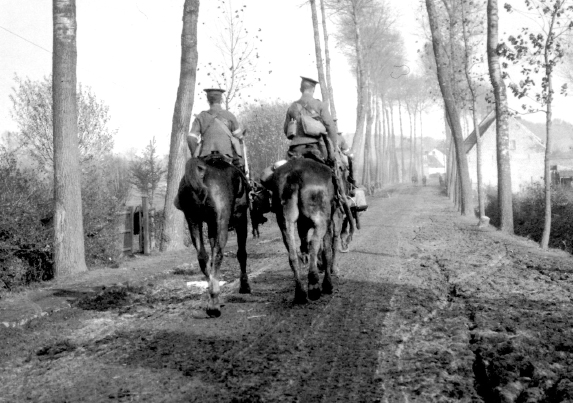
[345, 156]
[215, 191]
[303, 142]
[217, 132]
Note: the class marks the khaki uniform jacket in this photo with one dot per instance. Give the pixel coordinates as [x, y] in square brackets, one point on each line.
[213, 138]
[311, 104]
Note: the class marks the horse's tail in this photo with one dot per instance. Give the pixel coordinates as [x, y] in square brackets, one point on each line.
[194, 172]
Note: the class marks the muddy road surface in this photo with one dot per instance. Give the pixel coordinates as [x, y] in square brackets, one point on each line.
[427, 308]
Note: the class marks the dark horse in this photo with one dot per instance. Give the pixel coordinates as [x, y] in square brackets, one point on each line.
[304, 201]
[216, 193]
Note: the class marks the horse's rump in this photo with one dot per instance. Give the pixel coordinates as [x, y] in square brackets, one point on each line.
[304, 202]
[199, 173]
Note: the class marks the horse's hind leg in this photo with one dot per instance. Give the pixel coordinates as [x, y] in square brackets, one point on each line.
[242, 233]
[288, 231]
[303, 227]
[320, 228]
[329, 256]
[195, 229]
[218, 234]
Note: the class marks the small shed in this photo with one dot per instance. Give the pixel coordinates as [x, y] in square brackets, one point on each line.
[136, 225]
[562, 175]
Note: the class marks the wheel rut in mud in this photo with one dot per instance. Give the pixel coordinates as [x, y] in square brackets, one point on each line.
[426, 307]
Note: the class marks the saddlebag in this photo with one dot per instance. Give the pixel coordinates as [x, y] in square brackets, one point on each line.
[358, 201]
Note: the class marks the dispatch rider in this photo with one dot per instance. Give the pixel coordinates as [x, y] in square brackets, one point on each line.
[216, 131]
[302, 143]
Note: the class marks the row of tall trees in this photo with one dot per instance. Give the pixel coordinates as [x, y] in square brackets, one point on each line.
[460, 44]
[365, 29]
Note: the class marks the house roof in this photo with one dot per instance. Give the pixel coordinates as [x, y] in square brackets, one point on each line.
[433, 162]
[433, 150]
[471, 140]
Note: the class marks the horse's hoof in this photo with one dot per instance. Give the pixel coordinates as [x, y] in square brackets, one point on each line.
[213, 312]
[314, 292]
[245, 289]
[344, 249]
[327, 287]
[300, 298]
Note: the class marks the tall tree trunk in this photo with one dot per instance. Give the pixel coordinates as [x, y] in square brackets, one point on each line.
[445, 86]
[69, 251]
[318, 54]
[366, 166]
[402, 141]
[378, 143]
[391, 149]
[412, 145]
[394, 157]
[385, 175]
[479, 162]
[548, 125]
[480, 187]
[327, 60]
[369, 152]
[451, 180]
[361, 81]
[421, 142]
[421, 154]
[414, 155]
[173, 227]
[505, 197]
[547, 177]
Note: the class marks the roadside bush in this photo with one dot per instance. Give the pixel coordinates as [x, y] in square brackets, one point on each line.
[26, 212]
[265, 139]
[529, 213]
[25, 240]
[105, 188]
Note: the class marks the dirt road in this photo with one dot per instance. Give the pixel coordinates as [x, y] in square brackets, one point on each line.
[427, 307]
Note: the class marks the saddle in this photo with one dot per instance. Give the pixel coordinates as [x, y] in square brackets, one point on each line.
[218, 160]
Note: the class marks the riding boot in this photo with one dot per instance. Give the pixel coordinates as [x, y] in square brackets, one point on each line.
[238, 163]
[351, 172]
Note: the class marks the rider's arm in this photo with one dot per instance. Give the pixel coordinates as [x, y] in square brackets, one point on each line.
[236, 128]
[329, 124]
[287, 120]
[196, 128]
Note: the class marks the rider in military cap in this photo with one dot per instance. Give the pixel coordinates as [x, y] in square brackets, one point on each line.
[345, 158]
[216, 131]
[301, 143]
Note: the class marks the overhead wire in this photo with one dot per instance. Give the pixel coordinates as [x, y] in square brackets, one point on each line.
[27, 40]
[44, 49]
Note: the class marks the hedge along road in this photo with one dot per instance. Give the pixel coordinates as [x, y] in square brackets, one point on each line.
[427, 307]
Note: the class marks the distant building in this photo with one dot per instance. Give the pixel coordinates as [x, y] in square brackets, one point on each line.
[562, 175]
[435, 162]
[526, 151]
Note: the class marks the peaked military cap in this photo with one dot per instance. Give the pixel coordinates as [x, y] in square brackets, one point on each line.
[208, 90]
[310, 80]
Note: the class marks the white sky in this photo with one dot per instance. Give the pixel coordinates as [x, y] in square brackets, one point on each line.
[129, 53]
